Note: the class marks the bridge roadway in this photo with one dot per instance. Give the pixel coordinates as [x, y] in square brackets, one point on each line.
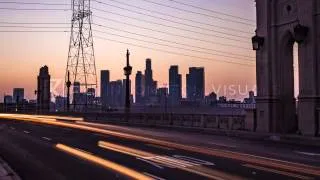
[49, 147]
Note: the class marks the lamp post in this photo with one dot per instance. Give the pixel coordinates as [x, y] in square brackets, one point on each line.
[127, 73]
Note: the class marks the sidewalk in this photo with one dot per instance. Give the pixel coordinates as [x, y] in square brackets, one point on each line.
[6, 173]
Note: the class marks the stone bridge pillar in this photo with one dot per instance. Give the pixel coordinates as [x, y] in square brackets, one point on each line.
[281, 23]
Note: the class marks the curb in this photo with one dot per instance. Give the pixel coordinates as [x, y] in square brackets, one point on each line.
[6, 172]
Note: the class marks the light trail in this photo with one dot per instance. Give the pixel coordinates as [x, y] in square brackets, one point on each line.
[247, 158]
[103, 162]
[277, 172]
[169, 161]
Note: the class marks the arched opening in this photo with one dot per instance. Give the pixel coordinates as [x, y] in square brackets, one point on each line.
[289, 85]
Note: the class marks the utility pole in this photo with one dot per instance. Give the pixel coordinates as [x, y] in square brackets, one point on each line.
[68, 84]
[127, 73]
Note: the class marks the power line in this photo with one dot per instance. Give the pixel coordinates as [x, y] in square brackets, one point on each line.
[33, 9]
[198, 13]
[41, 23]
[31, 31]
[163, 40]
[32, 3]
[175, 27]
[44, 27]
[167, 33]
[176, 42]
[175, 53]
[211, 35]
[138, 34]
[212, 11]
[186, 49]
[171, 16]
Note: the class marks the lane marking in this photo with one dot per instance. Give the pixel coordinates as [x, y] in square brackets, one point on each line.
[161, 147]
[150, 162]
[170, 162]
[103, 162]
[223, 145]
[153, 176]
[27, 132]
[46, 138]
[277, 171]
[194, 160]
[12, 128]
[307, 153]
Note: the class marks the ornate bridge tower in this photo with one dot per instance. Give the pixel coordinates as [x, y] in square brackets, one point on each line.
[281, 23]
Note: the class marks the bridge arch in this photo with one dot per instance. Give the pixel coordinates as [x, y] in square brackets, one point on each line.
[281, 24]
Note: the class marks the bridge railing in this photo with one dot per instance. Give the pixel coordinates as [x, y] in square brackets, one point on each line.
[229, 122]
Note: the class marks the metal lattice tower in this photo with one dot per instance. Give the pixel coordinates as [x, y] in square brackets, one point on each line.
[81, 60]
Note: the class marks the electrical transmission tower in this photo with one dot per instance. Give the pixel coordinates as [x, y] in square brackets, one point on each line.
[81, 60]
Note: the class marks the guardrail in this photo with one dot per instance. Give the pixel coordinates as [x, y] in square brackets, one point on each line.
[228, 122]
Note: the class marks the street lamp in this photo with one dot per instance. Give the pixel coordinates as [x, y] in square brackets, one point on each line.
[300, 33]
[257, 42]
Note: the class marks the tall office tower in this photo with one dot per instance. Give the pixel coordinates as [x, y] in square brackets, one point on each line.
[117, 93]
[162, 94]
[174, 85]
[154, 88]
[195, 84]
[148, 81]
[43, 92]
[139, 87]
[104, 85]
[18, 95]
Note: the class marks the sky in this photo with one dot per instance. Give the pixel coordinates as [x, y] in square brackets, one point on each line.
[22, 54]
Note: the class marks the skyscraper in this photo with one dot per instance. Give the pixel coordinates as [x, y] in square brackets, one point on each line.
[18, 95]
[43, 92]
[7, 99]
[105, 85]
[139, 87]
[174, 85]
[148, 80]
[195, 84]
[117, 93]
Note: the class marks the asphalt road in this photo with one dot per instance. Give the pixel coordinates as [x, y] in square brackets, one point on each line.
[35, 151]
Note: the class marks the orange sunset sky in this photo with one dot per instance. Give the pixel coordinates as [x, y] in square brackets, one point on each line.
[23, 53]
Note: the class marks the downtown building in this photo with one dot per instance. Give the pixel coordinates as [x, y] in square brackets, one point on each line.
[18, 95]
[139, 88]
[150, 85]
[196, 84]
[116, 91]
[105, 88]
[175, 86]
[43, 91]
